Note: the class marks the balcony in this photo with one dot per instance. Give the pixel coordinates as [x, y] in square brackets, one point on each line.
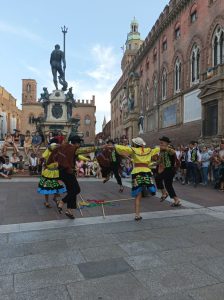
[213, 72]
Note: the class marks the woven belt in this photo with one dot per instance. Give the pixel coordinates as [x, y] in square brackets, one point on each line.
[141, 165]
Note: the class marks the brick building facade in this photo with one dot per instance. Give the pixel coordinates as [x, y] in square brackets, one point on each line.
[174, 83]
[85, 111]
[10, 115]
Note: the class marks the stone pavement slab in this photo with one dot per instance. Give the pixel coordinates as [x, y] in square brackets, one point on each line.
[171, 279]
[104, 268]
[212, 292]
[176, 296]
[141, 247]
[49, 293]
[119, 287]
[189, 254]
[144, 261]
[40, 261]
[101, 253]
[6, 284]
[45, 278]
[213, 265]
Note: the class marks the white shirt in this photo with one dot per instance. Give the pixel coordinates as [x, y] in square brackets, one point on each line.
[33, 161]
[178, 153]
[189, 155]
[7, 166]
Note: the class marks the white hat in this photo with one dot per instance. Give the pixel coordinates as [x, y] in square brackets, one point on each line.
[52, 146]
[139, 141]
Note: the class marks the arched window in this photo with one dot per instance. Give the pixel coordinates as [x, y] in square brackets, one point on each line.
[28, 88]
[87, 120]
[177, 31]
[193, 13]
[164, 44]
[142, 99]
[154, 54]
[155, 90]
[195, 64]
[218, 46]
[87, 133]
[147, 95]
[164, 84]
[31, 118]
[177, 76]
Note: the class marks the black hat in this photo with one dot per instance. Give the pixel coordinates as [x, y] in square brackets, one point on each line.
[110, 142]
[76, 139]
[165, 139]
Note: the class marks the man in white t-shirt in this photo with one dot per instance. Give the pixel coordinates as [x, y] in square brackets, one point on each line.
[7, 167]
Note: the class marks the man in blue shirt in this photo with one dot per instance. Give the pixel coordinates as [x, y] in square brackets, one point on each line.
[36, 142]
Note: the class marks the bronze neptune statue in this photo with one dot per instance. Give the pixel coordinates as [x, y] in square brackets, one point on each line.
[56, 61]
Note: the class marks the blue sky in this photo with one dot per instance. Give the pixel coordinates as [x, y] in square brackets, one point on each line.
[96, 31]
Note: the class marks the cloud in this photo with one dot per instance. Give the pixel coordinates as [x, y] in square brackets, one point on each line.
[106, 63]
[102, 77]
[19, 31]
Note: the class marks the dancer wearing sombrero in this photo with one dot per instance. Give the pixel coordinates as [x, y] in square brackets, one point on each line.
[166, 171]
[141, 173]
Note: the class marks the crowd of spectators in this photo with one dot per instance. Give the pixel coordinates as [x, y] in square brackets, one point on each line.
[20, 152]
[194, 164]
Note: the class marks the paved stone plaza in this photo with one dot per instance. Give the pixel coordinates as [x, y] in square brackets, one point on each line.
[174, 254]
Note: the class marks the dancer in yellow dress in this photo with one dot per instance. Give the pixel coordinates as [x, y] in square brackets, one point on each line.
[141, 173]
[49, 183]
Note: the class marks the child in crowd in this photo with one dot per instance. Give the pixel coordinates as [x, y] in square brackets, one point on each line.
[33, 163]
[14, 161]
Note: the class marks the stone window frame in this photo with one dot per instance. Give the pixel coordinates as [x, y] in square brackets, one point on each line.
[195, 65]
[211, 2]
[28, 88]
[154, 54]
[155, 89]
[193, 13]
[31, 116]
[147, 94]
[177, 75]
[177, 31]
[147, 63]
[87, 118]
[218, 43]
[164, 44]
[142, 98]
[164, 84]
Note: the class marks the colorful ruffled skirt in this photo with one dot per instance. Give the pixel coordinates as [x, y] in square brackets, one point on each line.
[141, 181]
[50, 186]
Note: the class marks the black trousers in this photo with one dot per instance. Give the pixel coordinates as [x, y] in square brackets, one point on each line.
[115, 170]
[192, 173]
[166, 178]
[72, 186]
